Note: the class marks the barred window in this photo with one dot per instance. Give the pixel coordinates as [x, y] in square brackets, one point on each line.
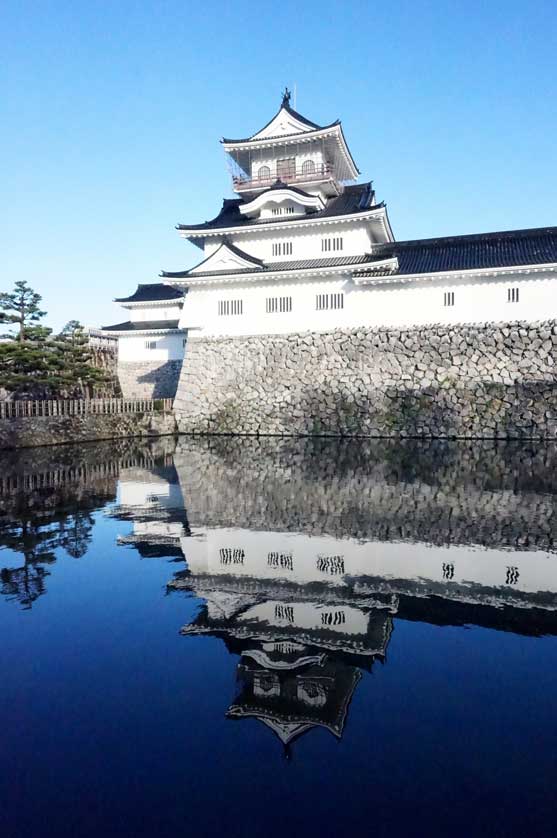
[228, 307]
[512, 295]
[330, 564]
[282, 210]
[284, 613]
[280, 561]
[333, 618]
[282, 248]
[335, 243]
[278, 305]
[231, 555]
[264, 173]
[150, 344]
[323, 302]
[308, 167]
[448, 298]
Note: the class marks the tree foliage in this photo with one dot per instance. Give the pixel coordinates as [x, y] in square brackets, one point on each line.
[37, 363]
[21, 308]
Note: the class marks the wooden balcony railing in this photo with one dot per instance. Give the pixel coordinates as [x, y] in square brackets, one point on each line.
[322, 172]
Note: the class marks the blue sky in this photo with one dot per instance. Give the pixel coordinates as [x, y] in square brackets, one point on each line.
[111, 115]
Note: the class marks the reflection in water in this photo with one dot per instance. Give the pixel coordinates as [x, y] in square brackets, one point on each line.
[302, 552]
[313, 592]
[47, 502]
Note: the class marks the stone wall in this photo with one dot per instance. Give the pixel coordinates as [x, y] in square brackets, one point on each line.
[488, 380]
[149, 380]
[26, 432]
[105, 358]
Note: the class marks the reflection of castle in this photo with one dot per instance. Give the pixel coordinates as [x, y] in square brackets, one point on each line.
[302, 649]
[152, 499]
[306, 605]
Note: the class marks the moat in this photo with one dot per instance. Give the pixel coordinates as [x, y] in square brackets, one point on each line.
[273, 637]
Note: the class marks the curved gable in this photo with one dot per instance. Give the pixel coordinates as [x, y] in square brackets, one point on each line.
[227, 257]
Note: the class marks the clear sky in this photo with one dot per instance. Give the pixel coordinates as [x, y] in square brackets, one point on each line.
[112, 112]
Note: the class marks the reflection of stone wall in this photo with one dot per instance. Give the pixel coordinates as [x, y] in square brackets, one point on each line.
[149, 380]
[475, 380]
[438, 492]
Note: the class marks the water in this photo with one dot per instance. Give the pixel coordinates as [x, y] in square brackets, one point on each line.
[278, 637]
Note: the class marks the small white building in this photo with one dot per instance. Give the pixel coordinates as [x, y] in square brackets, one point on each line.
[153, 332]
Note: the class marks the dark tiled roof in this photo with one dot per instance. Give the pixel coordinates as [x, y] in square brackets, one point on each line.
[272, 267]
[312, 126]
[152, 292]
[142, 326]
[536, 246]
[355, 198]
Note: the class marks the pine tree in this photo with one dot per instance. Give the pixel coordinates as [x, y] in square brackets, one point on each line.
[74, 360]
[21, 307]
[39, 364]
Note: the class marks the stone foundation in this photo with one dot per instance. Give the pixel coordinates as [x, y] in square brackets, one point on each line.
[27, 432]
[488, 380]
[149, 380]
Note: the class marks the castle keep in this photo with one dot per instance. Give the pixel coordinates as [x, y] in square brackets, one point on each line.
[305, 315]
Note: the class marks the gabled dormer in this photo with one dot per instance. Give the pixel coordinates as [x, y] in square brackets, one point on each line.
[227, 258]
[294, 150]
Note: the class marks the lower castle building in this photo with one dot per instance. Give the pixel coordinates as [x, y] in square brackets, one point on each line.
[302, 247]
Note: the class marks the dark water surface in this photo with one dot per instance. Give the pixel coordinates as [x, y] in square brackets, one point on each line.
[278, 637]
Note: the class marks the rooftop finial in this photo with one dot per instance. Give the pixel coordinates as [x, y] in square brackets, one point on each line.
[286, 97]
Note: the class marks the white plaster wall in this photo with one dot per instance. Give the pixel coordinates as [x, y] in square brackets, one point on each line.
[537, 570]
[169, 348]
[398, 304]
[306, 242]
[169, 312]
[267, 158]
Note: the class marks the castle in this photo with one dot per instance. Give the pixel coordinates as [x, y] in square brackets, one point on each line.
[304, 249]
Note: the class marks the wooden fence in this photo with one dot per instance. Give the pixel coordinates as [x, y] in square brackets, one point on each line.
[82, 474]
[83, 407]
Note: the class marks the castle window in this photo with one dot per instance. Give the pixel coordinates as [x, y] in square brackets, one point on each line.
[308, 167]
[284, 613]
[512, 295]
[278, 305]
[335, 243]
[286, 168]
[323, 302]
[282, 210]
[264, 173]
[150, 344]
[282, 248]
[448, 298]
[330, 564]
[232, 555]
[333, 618]
[228, 307]
[280, 561]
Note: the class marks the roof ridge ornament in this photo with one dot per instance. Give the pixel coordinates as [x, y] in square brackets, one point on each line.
[286, 96]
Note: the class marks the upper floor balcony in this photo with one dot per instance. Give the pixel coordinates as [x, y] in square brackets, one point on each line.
[286, 171]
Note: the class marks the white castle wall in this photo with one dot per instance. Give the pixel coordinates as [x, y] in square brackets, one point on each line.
[306, 241]
[133, 349]
[394, 304]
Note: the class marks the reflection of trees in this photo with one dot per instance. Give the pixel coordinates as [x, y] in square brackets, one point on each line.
[39, 525]
[76, 533]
